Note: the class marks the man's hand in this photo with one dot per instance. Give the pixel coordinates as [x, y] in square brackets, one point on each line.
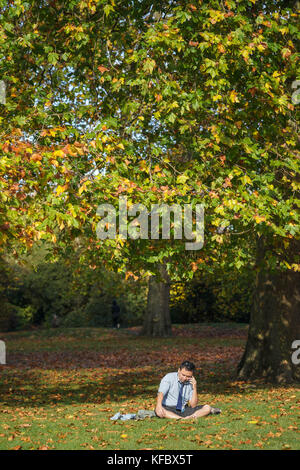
[193, 381]
[194, 399]
[159, 410]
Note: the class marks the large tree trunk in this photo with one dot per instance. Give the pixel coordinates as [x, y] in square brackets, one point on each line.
[157, 320]
[274, 323]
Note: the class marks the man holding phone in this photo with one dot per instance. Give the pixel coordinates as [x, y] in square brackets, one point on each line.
[177, 395]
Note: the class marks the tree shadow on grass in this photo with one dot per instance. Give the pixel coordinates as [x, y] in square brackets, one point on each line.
[108, 387]
[34, 388]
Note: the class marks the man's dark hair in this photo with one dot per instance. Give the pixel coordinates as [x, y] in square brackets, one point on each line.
[187, 365]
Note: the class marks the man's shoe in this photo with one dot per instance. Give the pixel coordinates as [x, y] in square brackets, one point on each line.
[215, 411]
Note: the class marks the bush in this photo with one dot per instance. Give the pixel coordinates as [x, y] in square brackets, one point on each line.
[74, 319]
[48, 290]
[24, 317]
[98, 311]
[8, 317]
[133, 307]
[227, 297]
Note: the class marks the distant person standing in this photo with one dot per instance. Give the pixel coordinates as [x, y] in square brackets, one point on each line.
[55, 321]
[116, 314]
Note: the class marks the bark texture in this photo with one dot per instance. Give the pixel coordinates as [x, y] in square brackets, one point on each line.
[274, 323]
[157, 320]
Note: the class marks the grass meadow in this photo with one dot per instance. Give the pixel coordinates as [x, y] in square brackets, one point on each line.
[60, 387]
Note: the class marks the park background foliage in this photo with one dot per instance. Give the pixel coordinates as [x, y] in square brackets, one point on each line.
[33, 292]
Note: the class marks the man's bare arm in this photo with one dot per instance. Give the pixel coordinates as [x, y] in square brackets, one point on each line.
[194, 399]
[159, 408]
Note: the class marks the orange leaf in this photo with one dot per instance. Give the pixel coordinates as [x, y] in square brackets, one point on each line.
[102, 69]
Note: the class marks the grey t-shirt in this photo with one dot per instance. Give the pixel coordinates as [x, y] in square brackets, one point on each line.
[170, 387]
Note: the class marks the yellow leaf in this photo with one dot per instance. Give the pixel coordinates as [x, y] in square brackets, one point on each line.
[83, 187]
[233, 97]
[246, 179]
[72, 210]
[58, 153]
[245, 54]
[296, 267]
[61, 189]
[260, 47]
[259, 219]
[181, 179]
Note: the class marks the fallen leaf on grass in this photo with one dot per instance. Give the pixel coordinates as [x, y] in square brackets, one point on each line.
[245, 442]
[259, 444]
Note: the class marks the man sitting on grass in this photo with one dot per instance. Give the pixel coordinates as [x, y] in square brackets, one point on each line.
[176, 389]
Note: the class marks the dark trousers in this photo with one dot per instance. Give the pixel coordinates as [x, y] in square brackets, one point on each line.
[188, 410]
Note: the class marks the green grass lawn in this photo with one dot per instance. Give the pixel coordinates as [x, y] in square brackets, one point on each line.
[60, 387]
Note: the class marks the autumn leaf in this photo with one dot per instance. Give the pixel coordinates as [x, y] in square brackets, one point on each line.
[102, 69]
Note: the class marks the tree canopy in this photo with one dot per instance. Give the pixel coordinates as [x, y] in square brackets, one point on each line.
[185, 103]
